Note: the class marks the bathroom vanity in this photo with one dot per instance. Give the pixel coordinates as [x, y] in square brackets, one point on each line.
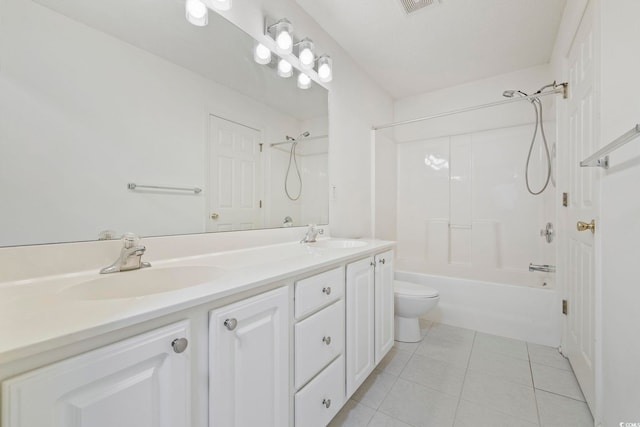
[277, 335]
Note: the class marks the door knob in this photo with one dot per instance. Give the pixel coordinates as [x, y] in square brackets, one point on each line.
[214, 216]
[591, 226]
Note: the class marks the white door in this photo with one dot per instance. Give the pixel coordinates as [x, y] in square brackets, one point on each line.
[234, 190]
[583, 195]
[249, 362]
[139, 382]
[384, 304]
[360, 323]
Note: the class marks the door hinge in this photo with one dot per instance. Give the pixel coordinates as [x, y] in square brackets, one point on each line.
[564, 306]
[565, 199]
[260, 204]
[260, 147]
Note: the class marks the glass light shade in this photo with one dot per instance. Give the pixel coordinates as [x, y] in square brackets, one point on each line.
[325, 69]
[284, 36]
[261, 54]
[305, 54]
[304, 81]
[284, 68]
[221, 4]
[197, 13]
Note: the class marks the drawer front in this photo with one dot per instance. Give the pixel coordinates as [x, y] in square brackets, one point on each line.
[319, 339]
[322, 398]
[318, 291]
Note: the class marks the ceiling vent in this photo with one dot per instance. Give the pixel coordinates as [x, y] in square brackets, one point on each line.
[411, 6]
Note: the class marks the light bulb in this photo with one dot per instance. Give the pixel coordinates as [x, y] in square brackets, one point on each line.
[306, 58]
[284, 38]
[325, 71]
[197, 13]
[261, 54]
[284, 69]
[304, 81]
[305, 55]
[221, 4]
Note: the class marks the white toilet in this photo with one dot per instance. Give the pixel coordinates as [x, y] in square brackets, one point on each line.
[411, 301]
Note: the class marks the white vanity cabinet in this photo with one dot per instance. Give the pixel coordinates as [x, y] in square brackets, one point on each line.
[249, 362]
[319, 378]
[143, 381]
[369, 290]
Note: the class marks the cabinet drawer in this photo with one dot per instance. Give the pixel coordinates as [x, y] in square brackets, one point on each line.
[322, 398]
[319, 339]
[317, 291]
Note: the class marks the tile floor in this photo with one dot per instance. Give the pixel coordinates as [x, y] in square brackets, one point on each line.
[462, 378]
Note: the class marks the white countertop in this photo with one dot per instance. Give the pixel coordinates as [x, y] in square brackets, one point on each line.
[37, 315]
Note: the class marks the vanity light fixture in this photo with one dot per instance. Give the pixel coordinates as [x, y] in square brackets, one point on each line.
[305, 54]
[304, 81]
[261, 54]
[285, 69]
[221, 4]
[197, 13]
[282, 33]
[325, 68]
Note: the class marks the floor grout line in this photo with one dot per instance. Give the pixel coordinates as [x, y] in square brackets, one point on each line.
[466, 371]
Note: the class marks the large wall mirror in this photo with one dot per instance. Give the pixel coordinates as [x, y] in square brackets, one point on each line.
[99, 99]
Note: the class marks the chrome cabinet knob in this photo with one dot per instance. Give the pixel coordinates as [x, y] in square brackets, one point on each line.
[327, 290]
[383, 260]
[372, 263]
[326, 340]
[326, 403]
[179, 344]
[231, 324]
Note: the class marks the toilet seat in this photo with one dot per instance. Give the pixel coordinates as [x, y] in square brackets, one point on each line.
[409, 289]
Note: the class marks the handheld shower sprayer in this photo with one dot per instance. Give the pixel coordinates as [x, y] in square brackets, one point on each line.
[292, 155]
[537, 106]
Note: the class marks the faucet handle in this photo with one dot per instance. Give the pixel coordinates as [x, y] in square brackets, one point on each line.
[130, 240]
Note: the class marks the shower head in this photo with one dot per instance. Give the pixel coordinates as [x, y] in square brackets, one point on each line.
[511, 93]
[302, 135]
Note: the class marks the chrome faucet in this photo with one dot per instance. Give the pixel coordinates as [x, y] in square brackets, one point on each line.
[312, 233]
[130, 256]
[545, 268]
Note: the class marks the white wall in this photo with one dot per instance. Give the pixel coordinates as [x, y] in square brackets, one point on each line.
[462, 206]
[620, 213]
[78, 102]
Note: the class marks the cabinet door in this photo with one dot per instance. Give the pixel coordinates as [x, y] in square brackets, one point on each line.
[360, 323]
[384, 304]
[139, 382]
[249, 362]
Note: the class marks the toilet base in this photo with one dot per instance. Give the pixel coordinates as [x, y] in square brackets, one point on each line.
[407, 329]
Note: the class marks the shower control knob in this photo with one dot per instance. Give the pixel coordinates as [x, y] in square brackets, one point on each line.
[179, 344]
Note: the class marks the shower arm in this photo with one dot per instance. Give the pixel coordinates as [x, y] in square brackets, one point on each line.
[559, 88]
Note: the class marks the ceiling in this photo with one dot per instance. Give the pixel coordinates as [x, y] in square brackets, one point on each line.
[448, 43]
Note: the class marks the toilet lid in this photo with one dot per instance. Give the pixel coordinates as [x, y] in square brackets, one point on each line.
[413, 289]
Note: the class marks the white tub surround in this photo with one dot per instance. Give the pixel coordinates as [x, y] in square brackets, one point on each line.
[518, 312]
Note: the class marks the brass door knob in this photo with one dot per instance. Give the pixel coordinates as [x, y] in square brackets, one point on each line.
[591, 226]
[214, 216]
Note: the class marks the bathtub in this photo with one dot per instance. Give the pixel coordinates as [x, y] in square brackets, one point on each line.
[519, 312]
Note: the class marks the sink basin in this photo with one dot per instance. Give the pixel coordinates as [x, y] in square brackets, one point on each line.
[339, 243]
[143, 282]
